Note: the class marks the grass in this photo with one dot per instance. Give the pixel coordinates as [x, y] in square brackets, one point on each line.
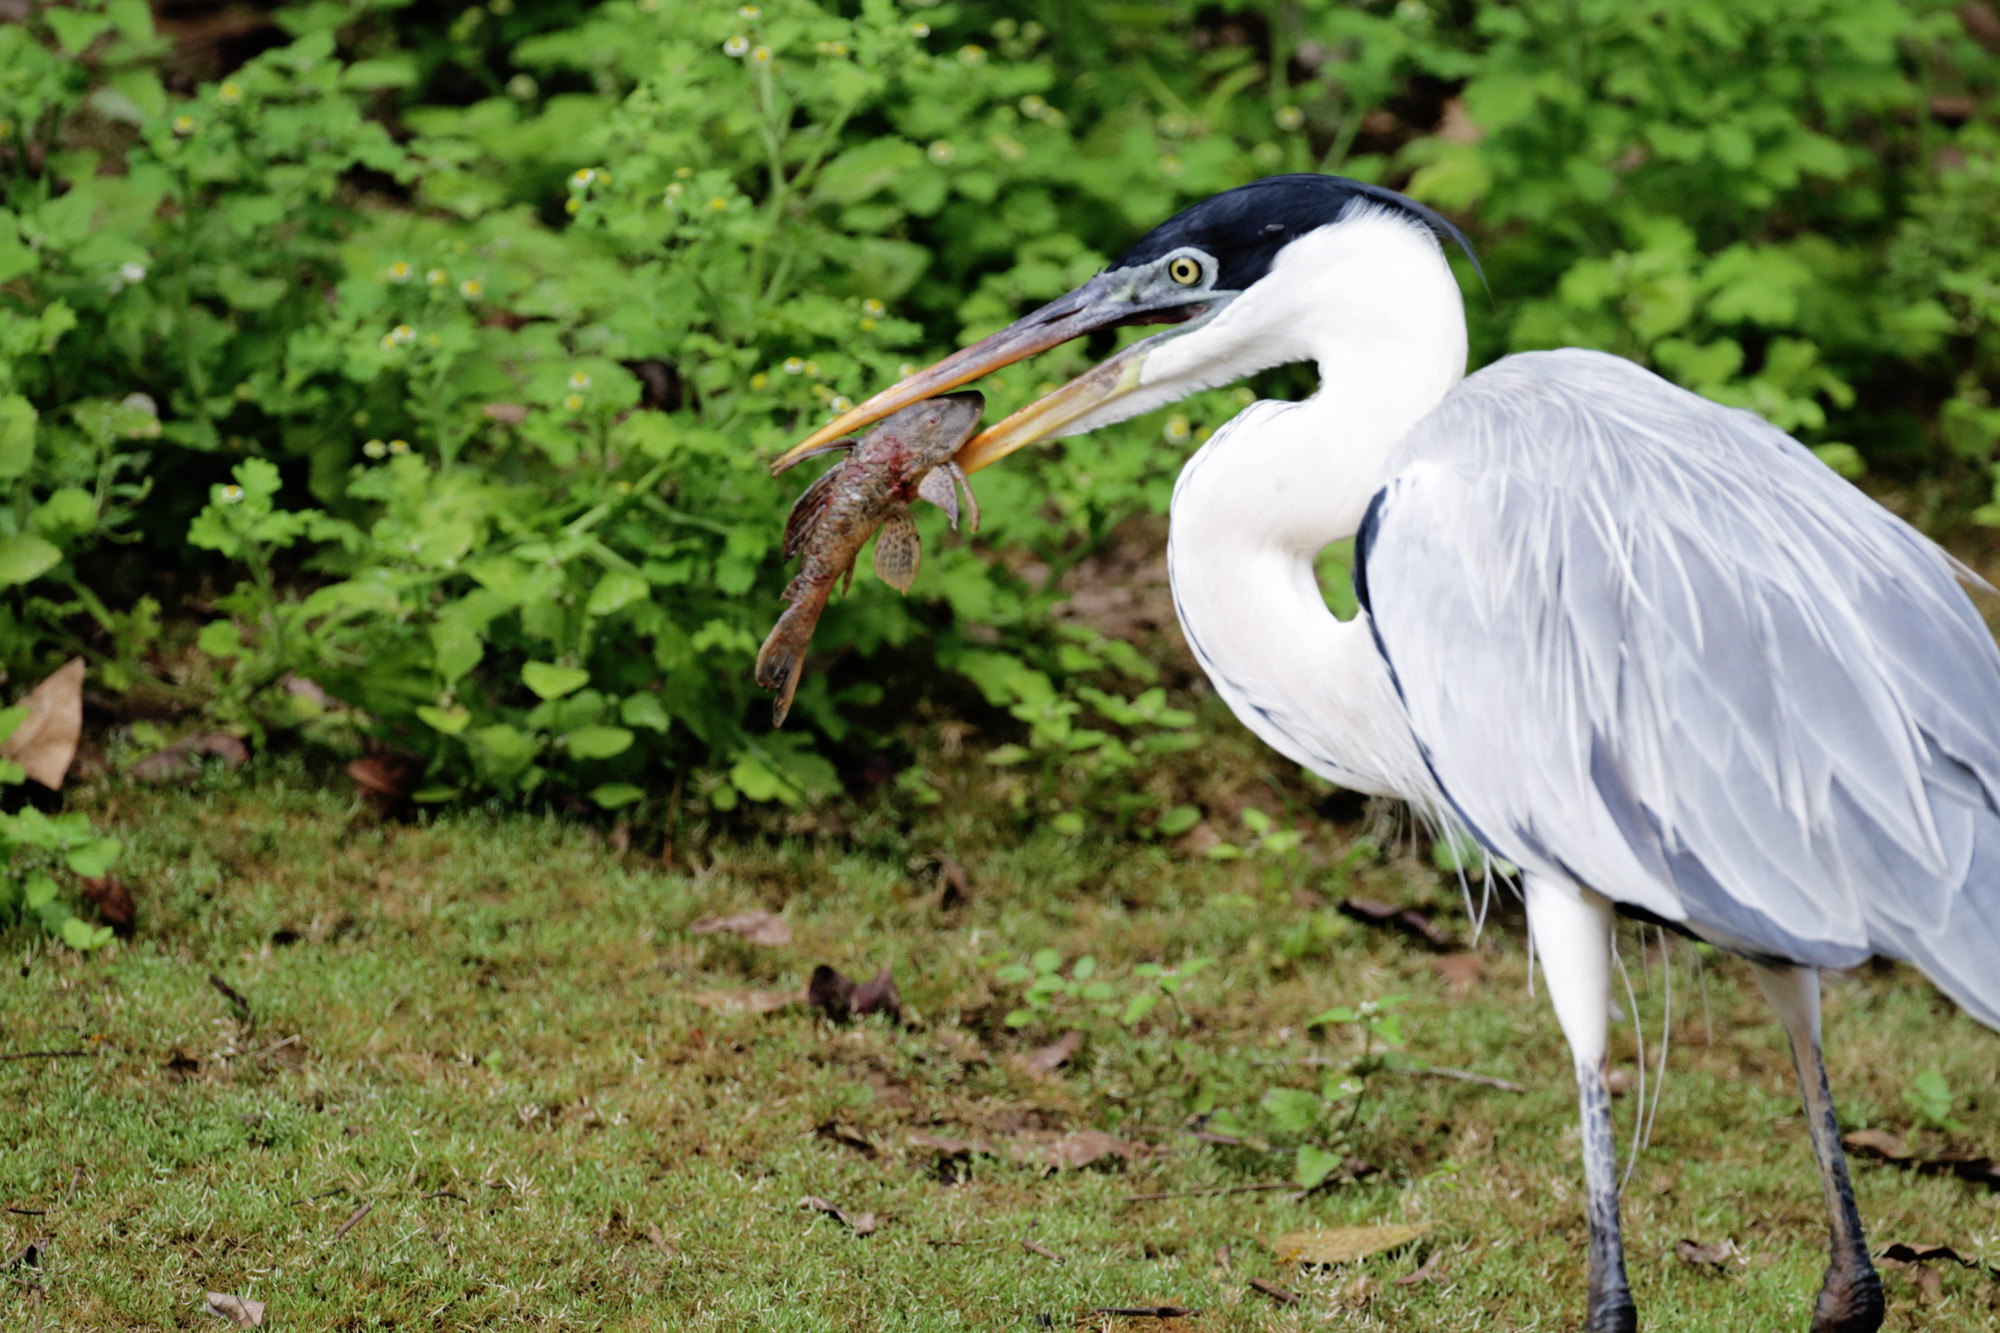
[481, 1028]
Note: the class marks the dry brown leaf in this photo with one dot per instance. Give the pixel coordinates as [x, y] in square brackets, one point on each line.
[1344, 1245]
[861, 1223]
[177, 760]
[1085, 1147]
[847, 1136]
[1412, 921]
[754, 927]
[1051, 1057]
[1878, 1143]
[386, 779]
[240, 1311]
[841, 999]
[45, 741]
[1903, 1254]
[1458, 971]
[507, 414]
[113, 900]
[1714, 1254]
[746, 1001]
[950, 1147]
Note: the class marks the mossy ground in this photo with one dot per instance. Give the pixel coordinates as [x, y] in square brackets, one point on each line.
[481, 1026]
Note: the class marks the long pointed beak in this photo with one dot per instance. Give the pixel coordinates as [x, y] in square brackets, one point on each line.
[1050, 414]
[1068, 316]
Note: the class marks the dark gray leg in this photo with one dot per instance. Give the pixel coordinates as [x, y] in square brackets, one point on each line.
[1572, 933]
[1850, 1297]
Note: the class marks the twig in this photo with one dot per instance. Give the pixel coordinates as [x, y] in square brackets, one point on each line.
[75, 1182]
[1461, 1075]
[1274, 1291]
[308, 1198]
[354, 1219]
[43, 1055]
[274, 1046]
[1036, 1247]
[30, 1212]
[234, 996]
[1218, 1189]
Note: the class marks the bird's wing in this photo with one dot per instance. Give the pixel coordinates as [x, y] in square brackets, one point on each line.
[1655, 645]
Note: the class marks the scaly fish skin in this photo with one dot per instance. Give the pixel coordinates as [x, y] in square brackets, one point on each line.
[905, 456]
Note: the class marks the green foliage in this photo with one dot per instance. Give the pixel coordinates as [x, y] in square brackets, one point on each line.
[1049, 997]
[35, 848]
[459, 408]
[1929, 1095]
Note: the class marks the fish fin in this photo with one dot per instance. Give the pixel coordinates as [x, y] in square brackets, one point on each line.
[898, 551]
[785, 465]
[782, 656]
[971, 501]
[937, 488]
[807, 510]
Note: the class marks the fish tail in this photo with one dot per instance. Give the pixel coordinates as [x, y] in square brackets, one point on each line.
[783, 655]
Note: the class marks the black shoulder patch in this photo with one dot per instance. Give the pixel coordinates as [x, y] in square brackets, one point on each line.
[1244, 228]
[1364, 540]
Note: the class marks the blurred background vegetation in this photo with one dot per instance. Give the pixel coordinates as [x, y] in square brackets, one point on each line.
[397, 379]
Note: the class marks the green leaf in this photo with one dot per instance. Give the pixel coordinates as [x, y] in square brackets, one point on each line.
[1139, 1007]
[450, 721]
[616, 795]
[1314, 1165]
[74, 30]
[17, 429]
[92, 859]
[1340, 1013]
[616, 591]
[1291, 1110]
[599, 742]
[25, 557]
[550, 681]
[644, 710]
[371, 75]
[759, 783]
[1046, 961]
[80, 934]
[1179, 820]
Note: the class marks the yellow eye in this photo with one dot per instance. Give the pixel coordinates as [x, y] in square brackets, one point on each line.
[1185, 271]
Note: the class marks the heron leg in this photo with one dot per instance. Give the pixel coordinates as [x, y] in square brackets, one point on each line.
[1850, 1297]
[1572, 932]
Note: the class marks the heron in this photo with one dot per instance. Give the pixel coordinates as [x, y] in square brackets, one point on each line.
[1645, 647]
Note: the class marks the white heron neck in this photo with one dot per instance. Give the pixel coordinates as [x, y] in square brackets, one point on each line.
[1373, 303]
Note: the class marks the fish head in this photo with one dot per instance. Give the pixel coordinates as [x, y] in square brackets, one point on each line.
[930, 431]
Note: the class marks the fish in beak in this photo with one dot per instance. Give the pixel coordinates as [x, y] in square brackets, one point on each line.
[1109, 300]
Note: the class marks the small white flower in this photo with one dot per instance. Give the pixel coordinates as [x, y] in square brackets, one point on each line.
[470, 288]
[399, 447]
[132, 271]
[1289, 117]
[941, 152]
[761, 56]
[579, 380]
[232, 494]
[736, 45]
[230, 93]
[400, 271]
[437, 277]
[794, 365]
[374, 448]
[871, 306]
[841, 403]
[972, 54]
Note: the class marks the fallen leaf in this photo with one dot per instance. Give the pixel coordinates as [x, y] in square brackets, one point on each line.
[1274, 1291]
[754, 927]
[841, 999]
[957, 886]
[1714, 1254]
[1618, 1082]
[1344, 1245]
[847, 1136]
[1410, 920]
[386, 779]
[1877, 1143]
[507, 414]
[746, 1001]
[860, 1223]
[113, 901]
[240, 1311]
[45, 740]
[177, 760]
[947, 1147]
[1051, 1057]
[1459, 971]
[1903, 1253]
[1084, 1148]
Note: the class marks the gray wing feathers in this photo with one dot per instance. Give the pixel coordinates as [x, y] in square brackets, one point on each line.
[1653, 644]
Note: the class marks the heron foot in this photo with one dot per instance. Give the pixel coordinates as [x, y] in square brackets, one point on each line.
[1850, 1300]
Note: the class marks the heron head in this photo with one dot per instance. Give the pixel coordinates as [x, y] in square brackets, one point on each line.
[1192, 273]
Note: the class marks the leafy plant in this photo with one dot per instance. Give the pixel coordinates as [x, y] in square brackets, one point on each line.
[34, 847]
[1930, 1097]
[1050, 996]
